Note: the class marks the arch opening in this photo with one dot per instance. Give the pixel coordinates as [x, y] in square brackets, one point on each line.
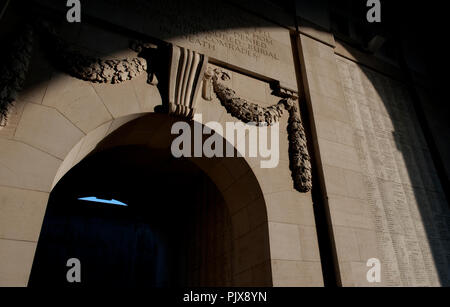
[176, 225]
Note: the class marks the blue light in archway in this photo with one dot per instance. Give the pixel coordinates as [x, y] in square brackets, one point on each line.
[104, 201]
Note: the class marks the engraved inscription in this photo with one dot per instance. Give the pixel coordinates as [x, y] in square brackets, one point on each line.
[252, 44]
[218, 29]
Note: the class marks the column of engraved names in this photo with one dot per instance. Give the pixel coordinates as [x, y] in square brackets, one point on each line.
[406, 238]
[353, 94]
[437, 209]
[416, 167]
[414, 149]
[401, 223]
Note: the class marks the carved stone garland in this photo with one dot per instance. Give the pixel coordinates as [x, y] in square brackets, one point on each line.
[12, 75]
[299, 159]
[245, 111]
[88, 68]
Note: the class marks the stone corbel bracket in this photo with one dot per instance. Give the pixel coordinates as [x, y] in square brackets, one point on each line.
[300, 162]
[187, 69]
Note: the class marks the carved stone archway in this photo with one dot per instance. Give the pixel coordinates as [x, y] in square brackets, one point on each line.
[233, 177]
[52, 127]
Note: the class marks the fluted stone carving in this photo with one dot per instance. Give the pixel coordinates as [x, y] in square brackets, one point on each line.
[13, 73]
[187, 68]
[246, 111]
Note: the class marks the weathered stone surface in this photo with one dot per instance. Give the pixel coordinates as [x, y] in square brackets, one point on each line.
[45, 128]
[24, 166]
[21, 213]
[16, 258]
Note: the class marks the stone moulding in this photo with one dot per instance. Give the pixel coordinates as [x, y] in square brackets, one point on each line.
[13, 73]
[300, 163]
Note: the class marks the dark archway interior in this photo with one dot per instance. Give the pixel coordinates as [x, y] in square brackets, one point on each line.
[175, 221]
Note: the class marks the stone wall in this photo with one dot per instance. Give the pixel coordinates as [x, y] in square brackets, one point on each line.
[381, 188]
